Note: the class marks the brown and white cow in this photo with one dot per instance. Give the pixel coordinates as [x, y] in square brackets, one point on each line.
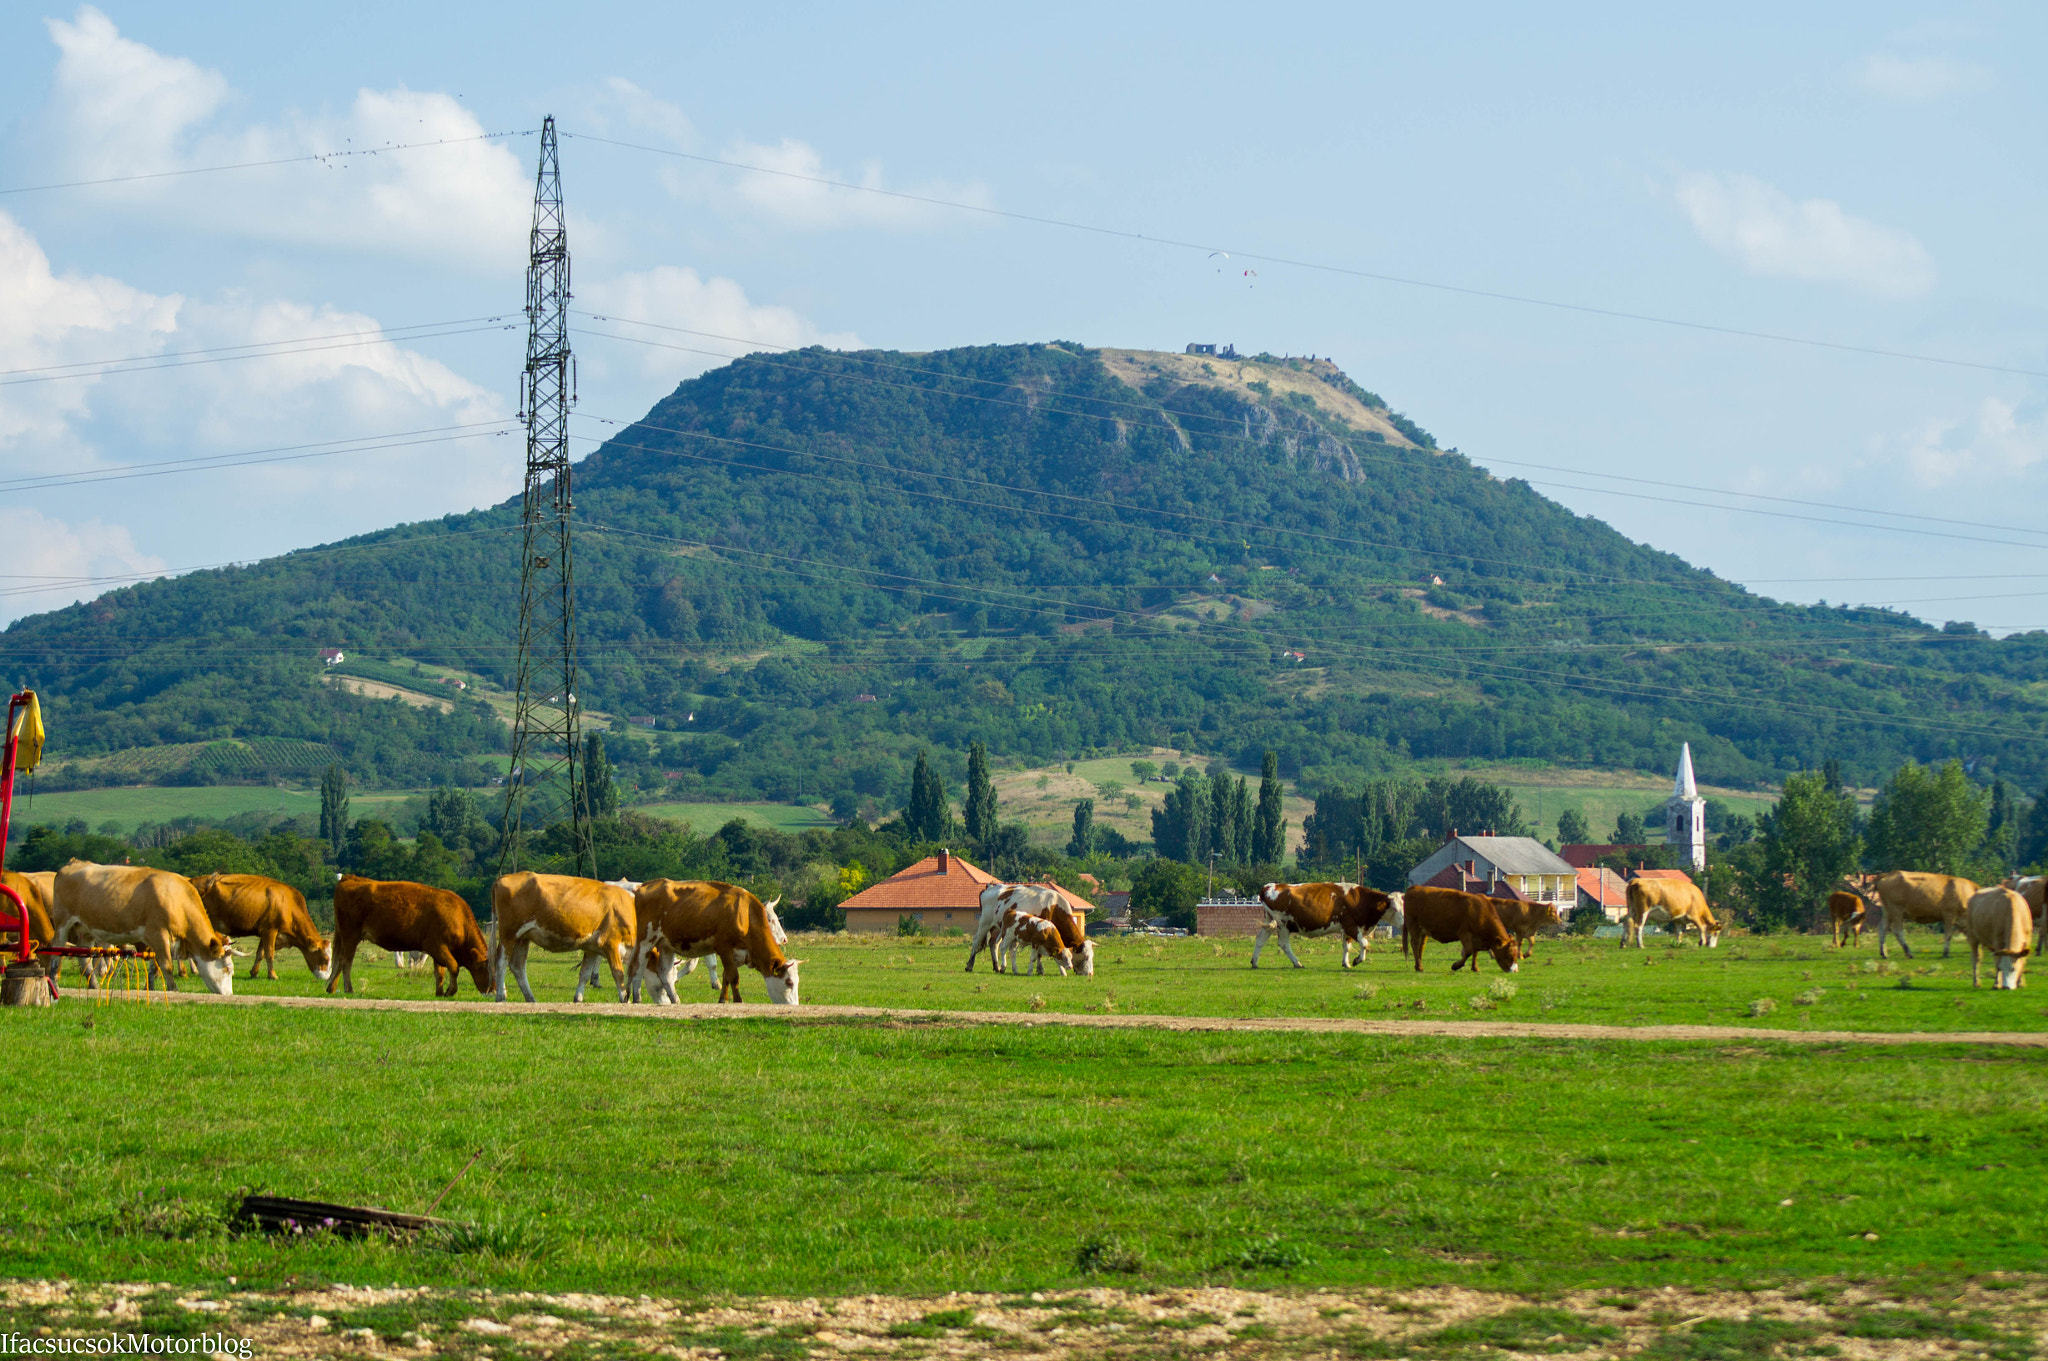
[1526, 920]
[1449, 915]
[1312, 910]
[1031, 900]
[138, 905]
[1677, 903]
[1040, 935]
[563, 914]
[689, 919]
[1905, 896]
[396, 914]
[1075, 936]
[2001, 921]
[252, 905]
[1846, 914]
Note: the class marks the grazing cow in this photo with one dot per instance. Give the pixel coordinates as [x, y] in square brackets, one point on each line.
[137, 905]
[660, 969]
[1448, 914]
[1525, 920]
[1677, 903]
[251, 905]
[1041, 935]
[1075, 936]
[397, 915]
[1908, 896]
[1846, 914]
[34, 890]
[681, 919]
[1316, 910]
[1032, 900]
[2000, 920]
[561, 913]
[2034, 889]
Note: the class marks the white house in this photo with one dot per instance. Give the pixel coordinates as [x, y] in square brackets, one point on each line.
[1534, 870]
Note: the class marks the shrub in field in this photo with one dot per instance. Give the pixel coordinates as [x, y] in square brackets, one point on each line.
[1106, 1253]
[1270, 1252]
[1478, 1003]
[1368, 991]
[1810, 996]
[1503, 990]
[1762, 1006]
[907, 925]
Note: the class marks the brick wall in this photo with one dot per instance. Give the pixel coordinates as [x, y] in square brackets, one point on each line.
[1228, 919]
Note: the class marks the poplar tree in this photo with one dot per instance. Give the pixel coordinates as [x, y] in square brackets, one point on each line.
[981, 796]
[925, 815]
[1269, 834]
[334, 810]
[1084, 829]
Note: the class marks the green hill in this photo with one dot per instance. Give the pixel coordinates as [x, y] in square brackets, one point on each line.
[804, 567]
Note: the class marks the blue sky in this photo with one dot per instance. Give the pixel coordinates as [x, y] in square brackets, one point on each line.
[1867, 175]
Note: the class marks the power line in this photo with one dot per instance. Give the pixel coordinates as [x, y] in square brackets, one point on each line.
[1347, 271]
[265, 354]
[202, 463]
[325, 157]
[380, 333]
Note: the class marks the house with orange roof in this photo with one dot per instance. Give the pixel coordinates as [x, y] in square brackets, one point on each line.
[940, 893]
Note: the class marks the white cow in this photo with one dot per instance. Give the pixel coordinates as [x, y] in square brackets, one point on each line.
[2034, 888]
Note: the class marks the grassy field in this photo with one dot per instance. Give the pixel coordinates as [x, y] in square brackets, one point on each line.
[132, 805]
[795, 1157]
[705, 818]
[1806, 984]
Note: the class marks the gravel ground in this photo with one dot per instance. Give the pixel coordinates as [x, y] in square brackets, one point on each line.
[1449, 1029]
[1999, 1318]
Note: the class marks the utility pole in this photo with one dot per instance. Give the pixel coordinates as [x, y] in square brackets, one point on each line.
[545, 784]
[1212, 875]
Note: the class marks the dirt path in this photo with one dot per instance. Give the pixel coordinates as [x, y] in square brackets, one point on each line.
[1861, 1321]
[1462, 1030]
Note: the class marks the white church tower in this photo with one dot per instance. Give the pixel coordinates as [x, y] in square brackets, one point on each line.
[1685, 815]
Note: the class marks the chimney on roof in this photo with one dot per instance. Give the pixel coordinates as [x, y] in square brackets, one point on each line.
[945, 861]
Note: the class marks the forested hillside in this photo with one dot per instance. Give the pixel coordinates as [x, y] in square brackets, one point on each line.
[805, 567]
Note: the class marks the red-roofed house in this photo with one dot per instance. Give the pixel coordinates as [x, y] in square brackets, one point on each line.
[1661, 874]
[1604, 889]
[940, 892]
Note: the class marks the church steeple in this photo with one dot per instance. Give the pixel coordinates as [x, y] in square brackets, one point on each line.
[1685, 814]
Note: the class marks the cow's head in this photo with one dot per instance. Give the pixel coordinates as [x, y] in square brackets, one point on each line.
[782, 983]
[215, 961]
[1084, 959]
[2012, 972]
[1507, 956]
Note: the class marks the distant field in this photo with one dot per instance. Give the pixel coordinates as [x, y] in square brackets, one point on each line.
[133, 805]
[832, 1158]
[705, 818]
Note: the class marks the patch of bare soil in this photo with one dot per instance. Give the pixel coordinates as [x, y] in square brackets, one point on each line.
[1996, 1317]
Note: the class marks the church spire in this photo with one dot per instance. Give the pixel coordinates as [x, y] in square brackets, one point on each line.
[1683, 787]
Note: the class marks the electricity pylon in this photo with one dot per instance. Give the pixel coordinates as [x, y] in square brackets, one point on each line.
[545, 784]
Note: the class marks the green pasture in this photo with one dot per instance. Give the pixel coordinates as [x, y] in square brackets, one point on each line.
[796, 1157]
[133, 805]
[705, 818]
[1807, 984]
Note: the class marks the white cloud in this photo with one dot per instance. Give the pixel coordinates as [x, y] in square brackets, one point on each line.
[1919, 78]
[622, 106]
[1998, 443]
[55, 319]
[121, 108]
[717, 309]
[1768, 232]
[795, 197]
[50, 562]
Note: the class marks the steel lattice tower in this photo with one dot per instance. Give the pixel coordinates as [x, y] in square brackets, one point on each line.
[545, 785]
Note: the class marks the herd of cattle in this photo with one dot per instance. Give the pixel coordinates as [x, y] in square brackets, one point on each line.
[651, 933]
